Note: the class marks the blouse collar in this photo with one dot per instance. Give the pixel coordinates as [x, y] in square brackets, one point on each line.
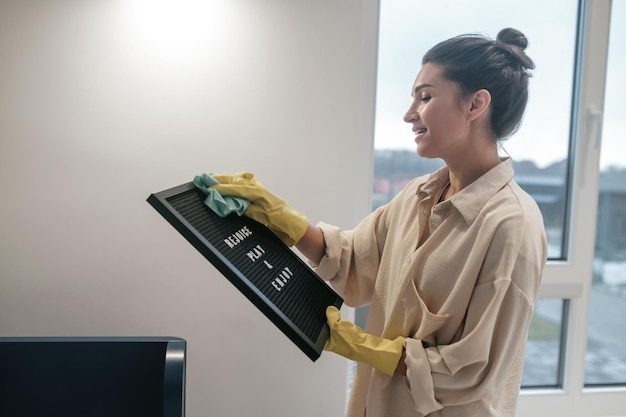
[470, 200]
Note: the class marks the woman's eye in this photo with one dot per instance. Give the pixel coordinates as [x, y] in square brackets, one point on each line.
[425, 99]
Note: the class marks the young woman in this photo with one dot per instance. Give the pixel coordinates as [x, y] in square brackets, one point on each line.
[451, 266]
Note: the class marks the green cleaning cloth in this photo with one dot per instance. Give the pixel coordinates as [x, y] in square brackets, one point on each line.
[221, 205]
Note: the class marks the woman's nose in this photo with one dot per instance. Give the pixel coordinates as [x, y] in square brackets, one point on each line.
[411, 115]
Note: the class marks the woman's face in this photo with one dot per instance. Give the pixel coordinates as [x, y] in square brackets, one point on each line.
[437, 115]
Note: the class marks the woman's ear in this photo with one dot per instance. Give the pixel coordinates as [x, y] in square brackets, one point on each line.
[479, 104]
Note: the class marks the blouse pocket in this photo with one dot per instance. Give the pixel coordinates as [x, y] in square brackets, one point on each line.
[418, 322]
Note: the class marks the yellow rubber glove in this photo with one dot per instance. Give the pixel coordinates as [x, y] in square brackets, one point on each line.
[265, 207]
[350, 341]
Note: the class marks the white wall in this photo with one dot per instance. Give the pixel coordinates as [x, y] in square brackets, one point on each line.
[104, 102]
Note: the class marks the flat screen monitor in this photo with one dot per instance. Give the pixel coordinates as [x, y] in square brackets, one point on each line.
[92, 376]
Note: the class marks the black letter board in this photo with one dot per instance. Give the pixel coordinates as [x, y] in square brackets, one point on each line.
[257, 262]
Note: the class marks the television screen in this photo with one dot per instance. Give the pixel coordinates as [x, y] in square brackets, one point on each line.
[92, 376]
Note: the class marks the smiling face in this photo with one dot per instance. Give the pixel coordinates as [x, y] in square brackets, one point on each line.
[438, 115]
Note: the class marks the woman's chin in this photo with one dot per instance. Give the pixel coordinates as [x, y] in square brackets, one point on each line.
[423, 152]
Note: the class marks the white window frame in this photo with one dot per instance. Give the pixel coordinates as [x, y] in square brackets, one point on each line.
[571, 279]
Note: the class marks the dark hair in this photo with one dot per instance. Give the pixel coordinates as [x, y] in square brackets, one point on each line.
[501, 67]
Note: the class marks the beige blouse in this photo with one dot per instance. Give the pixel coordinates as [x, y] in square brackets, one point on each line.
[464, 298]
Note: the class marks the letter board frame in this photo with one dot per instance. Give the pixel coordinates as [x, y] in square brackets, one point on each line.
[267, 272]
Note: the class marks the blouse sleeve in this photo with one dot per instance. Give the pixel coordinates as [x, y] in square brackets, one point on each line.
[352, 258]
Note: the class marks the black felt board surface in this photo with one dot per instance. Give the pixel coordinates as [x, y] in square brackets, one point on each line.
[259, 264]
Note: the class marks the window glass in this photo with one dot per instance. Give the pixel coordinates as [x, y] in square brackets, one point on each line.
[605, 361]
[408, 29]
[543, 362]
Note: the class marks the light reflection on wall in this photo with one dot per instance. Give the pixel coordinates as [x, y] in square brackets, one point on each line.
[165, 36]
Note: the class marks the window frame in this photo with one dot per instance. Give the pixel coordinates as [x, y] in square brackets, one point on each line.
[570, 279]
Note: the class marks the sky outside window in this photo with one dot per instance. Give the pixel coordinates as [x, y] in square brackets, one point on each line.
[408, 29]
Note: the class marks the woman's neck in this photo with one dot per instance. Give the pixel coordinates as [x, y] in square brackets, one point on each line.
[469, 167]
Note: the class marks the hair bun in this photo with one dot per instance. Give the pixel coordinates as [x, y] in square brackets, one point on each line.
[513, 37]
[516, 43]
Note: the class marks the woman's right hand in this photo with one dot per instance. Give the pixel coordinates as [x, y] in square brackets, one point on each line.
[266, 208]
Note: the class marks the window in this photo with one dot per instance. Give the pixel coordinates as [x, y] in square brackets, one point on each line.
[605, 358]
[577, 340]
[543, 174]
[552, 36]
[543, 364]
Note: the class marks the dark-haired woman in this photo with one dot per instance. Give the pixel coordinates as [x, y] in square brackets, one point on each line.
[450, 267]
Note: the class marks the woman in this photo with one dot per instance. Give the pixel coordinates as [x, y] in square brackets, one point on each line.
[451, 266]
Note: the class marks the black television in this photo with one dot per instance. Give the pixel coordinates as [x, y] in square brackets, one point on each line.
[92, 376]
